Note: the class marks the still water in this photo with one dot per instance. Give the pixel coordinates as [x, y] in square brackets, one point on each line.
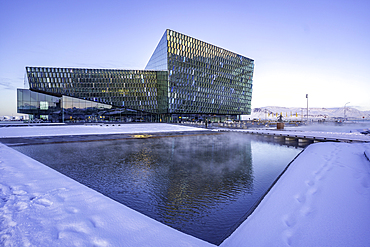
[202, 185]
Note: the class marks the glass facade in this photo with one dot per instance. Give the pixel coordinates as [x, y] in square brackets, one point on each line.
[135, 89]
[64, 108]
[183, 76]
[158, 60]
[39, 105]
[203, 78]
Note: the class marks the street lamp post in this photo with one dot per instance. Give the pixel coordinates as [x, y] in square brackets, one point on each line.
[344, 110]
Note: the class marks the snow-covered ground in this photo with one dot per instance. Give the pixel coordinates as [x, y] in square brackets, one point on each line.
[96, 129]
[323, 199]
[318, 135]
[298, 114]
[347, 127]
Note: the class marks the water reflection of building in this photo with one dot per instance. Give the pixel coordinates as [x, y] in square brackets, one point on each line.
[217, 173]
[181, 181]
[184, 79]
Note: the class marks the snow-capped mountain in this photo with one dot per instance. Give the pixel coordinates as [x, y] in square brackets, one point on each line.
[295, 113]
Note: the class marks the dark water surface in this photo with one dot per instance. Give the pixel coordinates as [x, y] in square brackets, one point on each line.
[201, 185]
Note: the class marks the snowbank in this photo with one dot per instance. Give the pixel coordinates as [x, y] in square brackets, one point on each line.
[103, 129]
[323, 199]
[41, 207]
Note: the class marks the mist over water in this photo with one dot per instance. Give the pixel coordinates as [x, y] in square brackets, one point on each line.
[202, 185]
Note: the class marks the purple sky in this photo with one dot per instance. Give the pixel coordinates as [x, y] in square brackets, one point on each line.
[317, 47]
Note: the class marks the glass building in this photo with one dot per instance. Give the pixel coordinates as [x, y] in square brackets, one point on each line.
[185, 77]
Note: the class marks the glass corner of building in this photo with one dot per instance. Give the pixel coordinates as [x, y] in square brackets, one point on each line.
[26, 83]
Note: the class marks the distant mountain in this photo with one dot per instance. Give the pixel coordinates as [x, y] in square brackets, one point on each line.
[295, 113]
[12, 118]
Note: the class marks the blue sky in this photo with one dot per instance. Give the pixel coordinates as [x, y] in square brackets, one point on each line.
[320, 48]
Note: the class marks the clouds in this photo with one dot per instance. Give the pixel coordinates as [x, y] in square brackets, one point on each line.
[6, 84]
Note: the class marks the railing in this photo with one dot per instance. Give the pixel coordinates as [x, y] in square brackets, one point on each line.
[216, 125]
[238, 125]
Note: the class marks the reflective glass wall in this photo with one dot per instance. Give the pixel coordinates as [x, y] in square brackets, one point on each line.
[39, 106]
[158, 61]
[50, 108]
[82, 110]
[204, 78]
[135, 89]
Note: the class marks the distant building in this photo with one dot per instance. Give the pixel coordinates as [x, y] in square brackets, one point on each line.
[184, 79]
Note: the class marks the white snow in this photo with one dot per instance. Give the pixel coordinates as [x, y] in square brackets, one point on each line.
[96, 129]
[323, 199]
[41, 207]
[355, 136]
[314, 113]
